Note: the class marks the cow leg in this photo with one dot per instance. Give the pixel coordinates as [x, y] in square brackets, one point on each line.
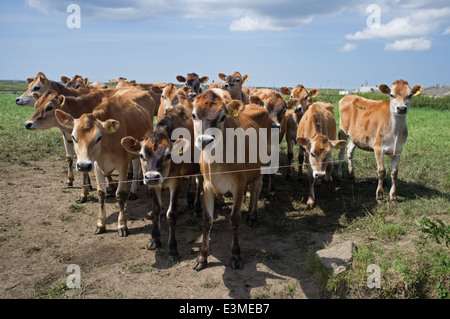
[101, 190]
[208, 218]
[174, 187]
[255, 189]
[342, 136]
[85, 188]
[394, 173]
[290, 155]
[155, 241]
[301, 159]
[235, 222]
[134, 184]
[311, 179]
[381, 174]
[350, 150]
[198, 202]
[68, 146]
[121, 196]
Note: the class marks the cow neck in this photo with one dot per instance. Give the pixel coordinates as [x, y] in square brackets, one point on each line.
[399, 130]
[62, 90]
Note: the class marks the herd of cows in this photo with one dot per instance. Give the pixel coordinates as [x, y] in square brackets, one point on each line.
[112, 129]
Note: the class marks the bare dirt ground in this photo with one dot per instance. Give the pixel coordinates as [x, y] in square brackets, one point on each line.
[44, 231]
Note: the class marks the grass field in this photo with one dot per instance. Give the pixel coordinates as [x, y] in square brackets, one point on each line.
[409, 240]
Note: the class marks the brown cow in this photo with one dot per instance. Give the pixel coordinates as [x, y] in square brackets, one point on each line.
[193, 81]
[161, 172]
[40, 85]
[377, 126]
[97, 138]
[233, 83]
[78, 82]
[170, 96]
[44, 118]
[298, 104]
[212, 119]
[317, 133]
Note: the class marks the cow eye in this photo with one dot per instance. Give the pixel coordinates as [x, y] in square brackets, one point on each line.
[48, 108]
[169, 156]
[36, 88]
[193, 116]
[312, 154]
[222, 118]
[98, 139]
[74, 139]
[392, 95]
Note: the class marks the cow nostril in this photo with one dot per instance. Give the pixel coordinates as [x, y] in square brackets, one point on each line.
[28, 125]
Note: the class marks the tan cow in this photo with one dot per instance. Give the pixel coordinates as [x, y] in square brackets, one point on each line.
[317, 134]
[297, 105]
[377, 126]
[162, 172]
[211, 117]
[193, 81]
[233, 83]
[40, 85]
[44, 118]
[97, 137]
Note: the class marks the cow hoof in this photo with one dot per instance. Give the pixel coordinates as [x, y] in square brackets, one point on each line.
[200, 264]
[100, 230]
[173, 259]
[68, 185]
[236, 262]
[380, 200]
[81, 200]
[132, 196]
[154, 243]
[252, 222]
[123, 232]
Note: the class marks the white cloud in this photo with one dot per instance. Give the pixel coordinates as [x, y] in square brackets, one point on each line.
[447, 31]
[414, 44]
[348, 47]
[248, 23]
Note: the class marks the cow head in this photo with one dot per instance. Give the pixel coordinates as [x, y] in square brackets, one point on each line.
[209, 114]
[275, 104]
[76, 82]
[401, 95]
[39, 84]
[194, 82]
[233, 83]
[155, 153]
[86, 132]
[44, 110]
[319, 151]
[172, 96]
[302, 99]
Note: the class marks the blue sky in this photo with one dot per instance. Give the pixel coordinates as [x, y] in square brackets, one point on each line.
[317, 43]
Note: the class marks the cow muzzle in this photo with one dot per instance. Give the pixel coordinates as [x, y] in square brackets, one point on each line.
[30, 125]
[204, 140]
[153, 178]
[402, 109]
[319, 175]
[84, 167]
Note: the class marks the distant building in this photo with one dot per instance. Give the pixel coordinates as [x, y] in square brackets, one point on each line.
[437, 90]
[362, 89]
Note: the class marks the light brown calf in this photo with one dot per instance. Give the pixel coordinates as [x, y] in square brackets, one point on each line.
[161, 171]
[97, 137]
[212, 118]
[317, 134]
[377, 126]
[297, 105]
[233, 83]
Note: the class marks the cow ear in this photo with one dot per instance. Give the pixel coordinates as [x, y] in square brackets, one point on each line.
[61, 99]
[204, 79]
[384, 89]
[313, 92]
[303, 142]
[65, 119]
[131, 144]
[181, 79]
[64, 79]
[285, 91]
[256, 100]
[292, 103]
[156, 89]
[43, 81]
[223, 77]
[181, 146]
[245, 78]
[338, 144]
[86, 81]
[416, 90]
[111, 126]
[235, 107]
[36, 96]
[29, 80]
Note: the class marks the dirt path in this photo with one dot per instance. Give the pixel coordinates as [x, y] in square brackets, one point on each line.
[42, 232]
